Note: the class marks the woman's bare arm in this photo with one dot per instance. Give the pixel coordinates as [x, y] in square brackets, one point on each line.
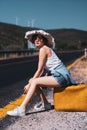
[41, 63]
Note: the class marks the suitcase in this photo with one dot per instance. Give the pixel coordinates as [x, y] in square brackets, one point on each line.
[71, 98]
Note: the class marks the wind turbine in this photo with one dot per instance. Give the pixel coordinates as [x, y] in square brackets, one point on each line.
[32, 23]
[16, 20]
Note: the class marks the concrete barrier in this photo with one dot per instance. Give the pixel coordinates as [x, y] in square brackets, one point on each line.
[72, 98]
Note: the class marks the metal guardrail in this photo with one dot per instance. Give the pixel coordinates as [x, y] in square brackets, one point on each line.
[5, 54]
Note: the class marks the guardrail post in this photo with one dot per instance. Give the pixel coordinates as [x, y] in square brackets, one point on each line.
[5, 56]
[85, 52]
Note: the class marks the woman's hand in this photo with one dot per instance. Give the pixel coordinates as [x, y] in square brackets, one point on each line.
[26, 88]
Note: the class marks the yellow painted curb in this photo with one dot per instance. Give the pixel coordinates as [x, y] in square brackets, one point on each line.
[12, 105]
[75, 62]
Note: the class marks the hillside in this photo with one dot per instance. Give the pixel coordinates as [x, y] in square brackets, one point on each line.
[12, 37]
[69, 38]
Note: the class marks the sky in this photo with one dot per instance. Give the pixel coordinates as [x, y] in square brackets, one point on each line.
[45, 14]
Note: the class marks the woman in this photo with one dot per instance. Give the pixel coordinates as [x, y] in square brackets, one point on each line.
[59, 75]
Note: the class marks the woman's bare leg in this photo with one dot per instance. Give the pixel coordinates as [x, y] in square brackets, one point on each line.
[41, 95]
[48, 81]
[39, 92]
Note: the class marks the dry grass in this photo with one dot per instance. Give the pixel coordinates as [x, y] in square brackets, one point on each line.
[79, 71]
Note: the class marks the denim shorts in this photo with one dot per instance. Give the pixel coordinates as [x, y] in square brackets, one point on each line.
[62, 75]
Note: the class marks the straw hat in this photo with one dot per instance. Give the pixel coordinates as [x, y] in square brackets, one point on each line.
[50, 39]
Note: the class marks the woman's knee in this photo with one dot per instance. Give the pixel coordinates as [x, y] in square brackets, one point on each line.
[35, 82]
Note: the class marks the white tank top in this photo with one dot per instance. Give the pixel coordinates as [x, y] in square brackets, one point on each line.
[53, 61]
